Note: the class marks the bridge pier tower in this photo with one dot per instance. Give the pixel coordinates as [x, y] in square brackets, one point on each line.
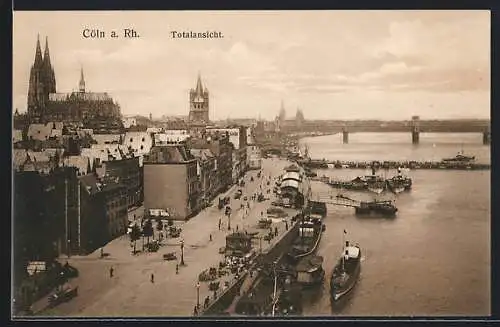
[345, 136]
[487, 137]
[415, 130]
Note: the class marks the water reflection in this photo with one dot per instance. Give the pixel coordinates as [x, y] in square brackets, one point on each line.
[433, 258]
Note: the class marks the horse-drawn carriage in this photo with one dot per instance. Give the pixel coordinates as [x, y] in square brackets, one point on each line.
[169, 256]
[223, 202]
[64, 294]
[174, 232]
[208, 275]
[265, 223]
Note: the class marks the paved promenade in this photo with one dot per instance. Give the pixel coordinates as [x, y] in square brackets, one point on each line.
[130, 291]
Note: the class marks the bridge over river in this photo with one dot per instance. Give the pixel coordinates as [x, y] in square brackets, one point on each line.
[415, 126]
[275, 141]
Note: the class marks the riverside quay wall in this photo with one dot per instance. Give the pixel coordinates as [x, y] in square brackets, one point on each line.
[271, 254]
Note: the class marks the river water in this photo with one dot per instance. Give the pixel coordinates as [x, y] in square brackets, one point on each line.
[433, 259]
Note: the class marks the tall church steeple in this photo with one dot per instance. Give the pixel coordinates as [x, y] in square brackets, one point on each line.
[198, 104]
[282, 113]
[48, 71]
[199, 86]
[38, 52]
[82, 82]
[46, 55]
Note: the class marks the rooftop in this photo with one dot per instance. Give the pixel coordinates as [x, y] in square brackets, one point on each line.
[169, 154]
[45, 131]
[203, 154]
[83, 96]
[94, 185]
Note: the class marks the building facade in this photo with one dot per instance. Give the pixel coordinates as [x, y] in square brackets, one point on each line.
[120, 163]
[207, 174]
[129, 122]
[102, 212]
[139, 142]
[171, 181]
[126, 171]
[220, 146]
[254, 157]
[238, 138]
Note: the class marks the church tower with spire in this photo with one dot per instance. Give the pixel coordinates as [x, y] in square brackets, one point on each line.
[198, 104]
[48, 70]
[81, 84]
[299, 118]
[282, 113]
[42, 82]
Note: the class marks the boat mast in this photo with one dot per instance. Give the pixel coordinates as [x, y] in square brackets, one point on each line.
[343, 250]
[275, 287]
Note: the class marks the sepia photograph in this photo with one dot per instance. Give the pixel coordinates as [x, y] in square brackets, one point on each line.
[271, 164]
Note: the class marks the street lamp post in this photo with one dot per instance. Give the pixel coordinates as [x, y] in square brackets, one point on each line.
[182, 252]
[198, 294]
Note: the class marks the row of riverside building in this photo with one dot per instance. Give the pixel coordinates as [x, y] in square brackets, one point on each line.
[75, 188]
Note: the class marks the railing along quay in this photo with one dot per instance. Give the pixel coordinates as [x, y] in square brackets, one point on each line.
[324, 164]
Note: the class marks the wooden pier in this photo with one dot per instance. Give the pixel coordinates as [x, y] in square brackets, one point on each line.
[337, 200]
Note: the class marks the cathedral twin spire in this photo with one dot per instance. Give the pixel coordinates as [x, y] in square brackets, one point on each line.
[42, 80]
[42, 64]
[45, 60]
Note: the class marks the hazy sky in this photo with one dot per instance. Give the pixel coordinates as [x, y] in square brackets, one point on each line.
[331, 64]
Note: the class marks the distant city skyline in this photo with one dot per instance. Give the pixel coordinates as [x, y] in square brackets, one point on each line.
[387, 65]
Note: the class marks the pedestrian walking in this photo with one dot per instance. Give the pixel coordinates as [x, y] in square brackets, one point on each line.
[152, 278]
[210, 237]
[111, 270]
[176, 268]
[236, 227]
[286, 225]
[275, 231]
[219, 223]
[195, 311]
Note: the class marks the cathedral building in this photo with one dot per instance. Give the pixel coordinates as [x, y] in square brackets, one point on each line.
[198, 106]
[94, 110]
